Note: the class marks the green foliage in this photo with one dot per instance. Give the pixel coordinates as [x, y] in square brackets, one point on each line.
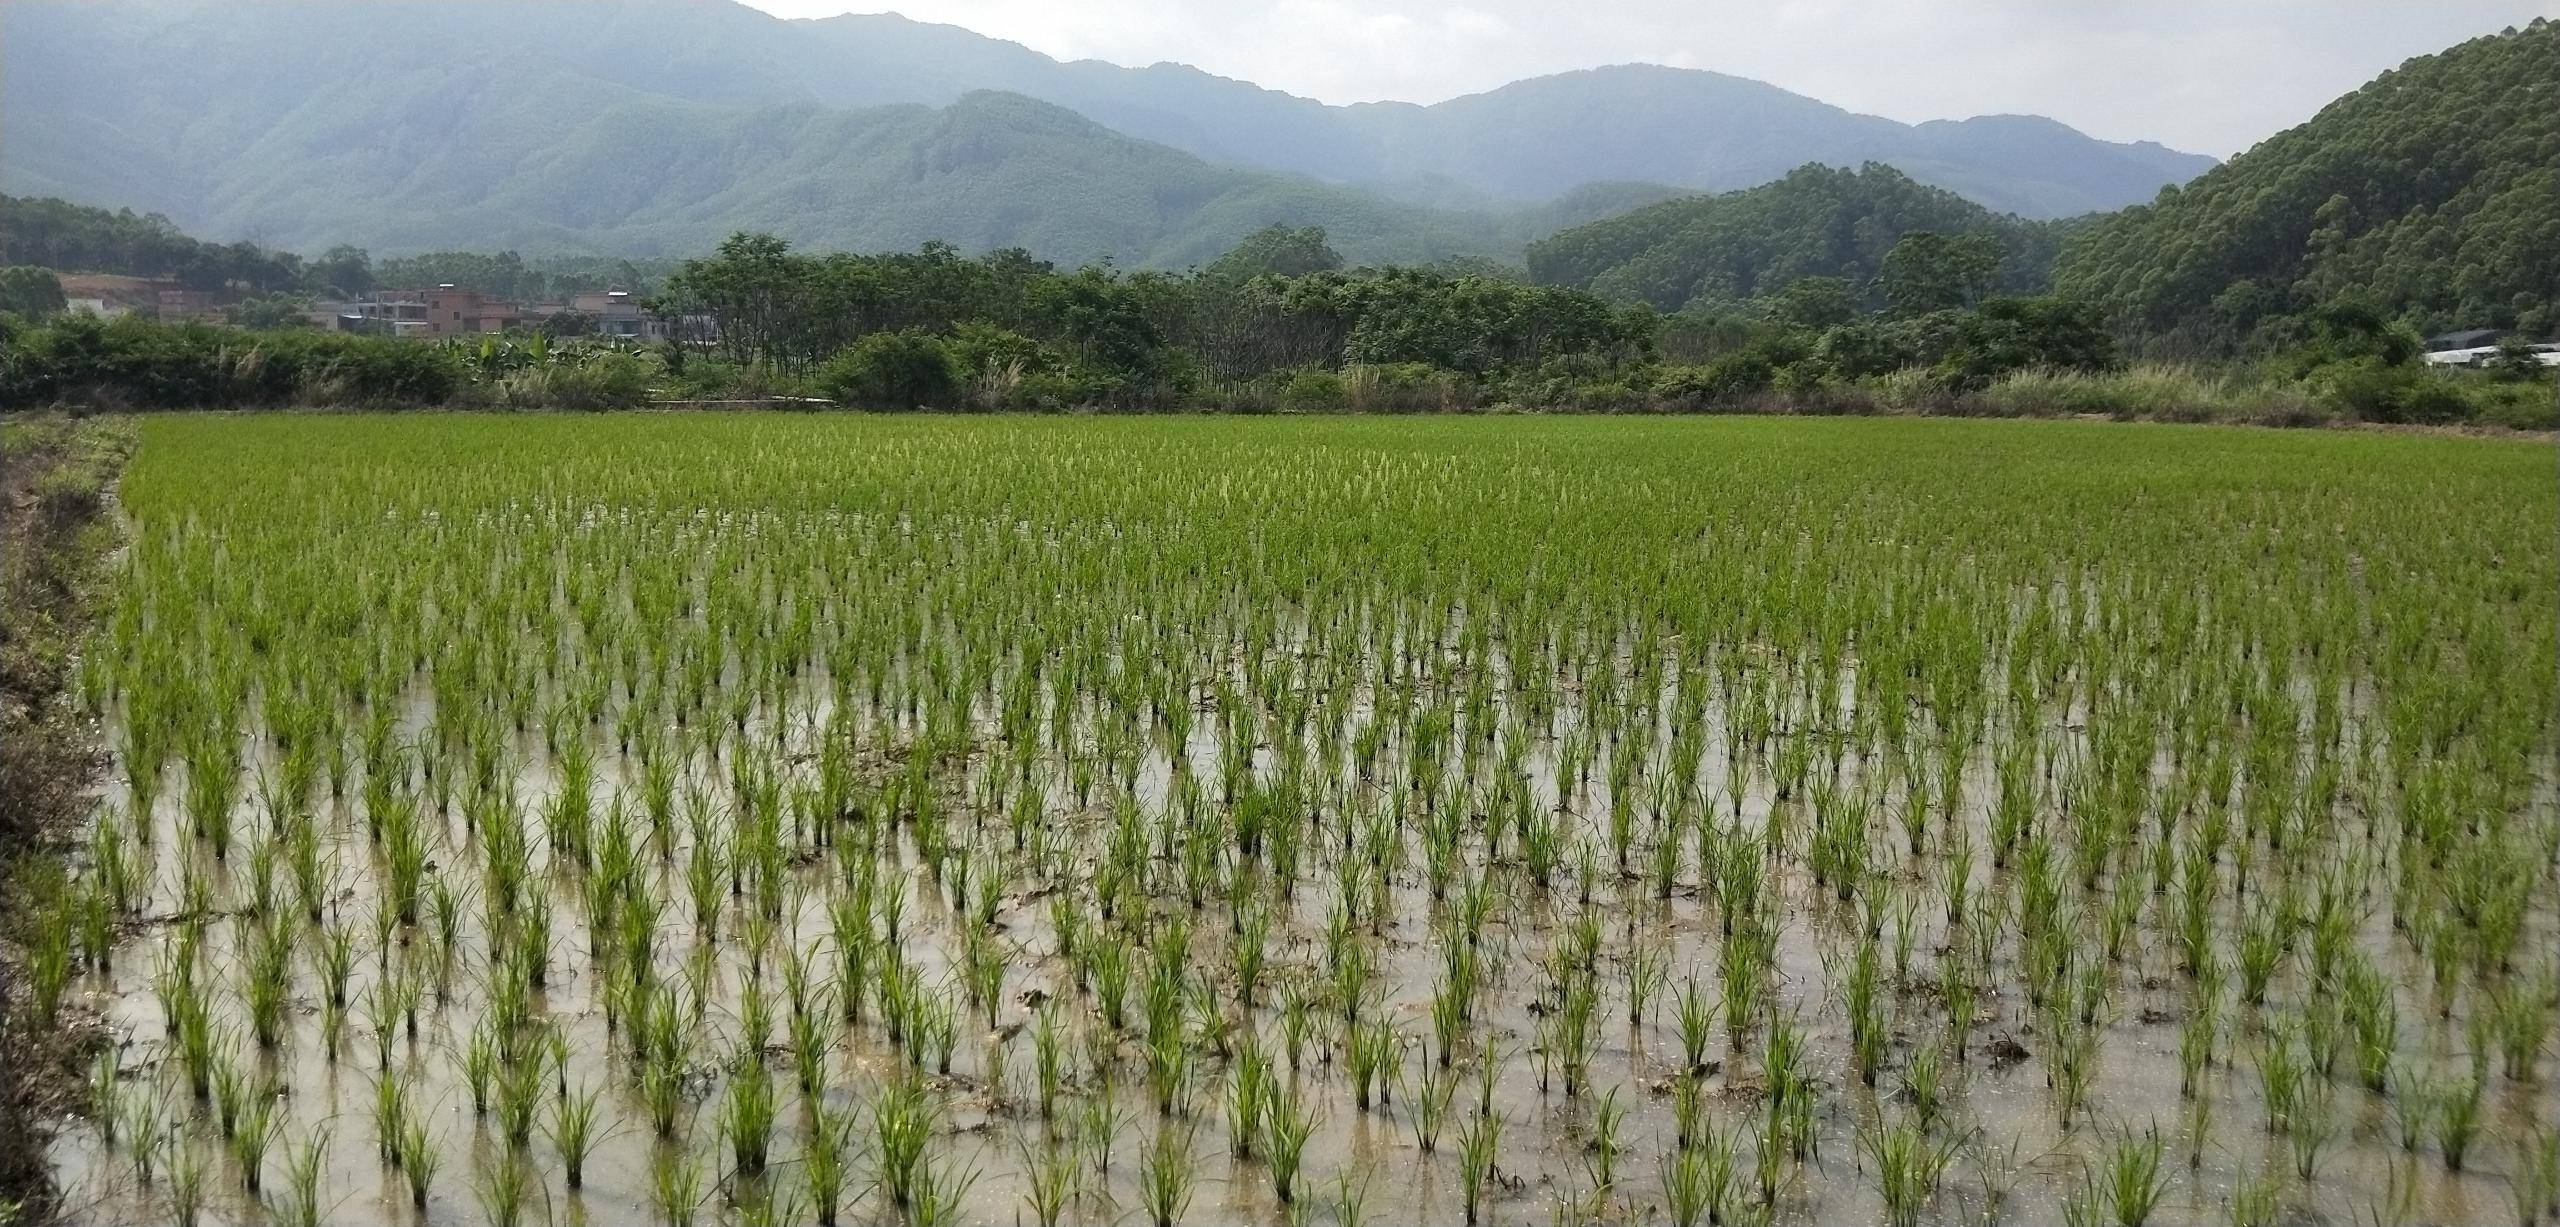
[136, 362]
[269, 311]
[1927, 271]
[1815, 304]
[508, 275]
[894, 370]
[58, 234]
[1818, 221]
[2433, 193]
[30, 291]
[1278, 251]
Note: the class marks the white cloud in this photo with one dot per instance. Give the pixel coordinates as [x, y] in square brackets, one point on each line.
[2196, 74]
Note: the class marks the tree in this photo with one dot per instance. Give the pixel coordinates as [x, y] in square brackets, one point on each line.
[1927, 271]
[1278, 251]
[30, 291]
[342, 270]
[2517, 359]
[1814, 304]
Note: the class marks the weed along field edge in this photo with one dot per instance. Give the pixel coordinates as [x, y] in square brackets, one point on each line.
[760, 819]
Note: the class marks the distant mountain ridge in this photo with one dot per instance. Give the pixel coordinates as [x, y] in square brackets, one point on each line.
[641, 126]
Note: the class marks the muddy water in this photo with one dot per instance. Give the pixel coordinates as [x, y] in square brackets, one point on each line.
[2015, 1160]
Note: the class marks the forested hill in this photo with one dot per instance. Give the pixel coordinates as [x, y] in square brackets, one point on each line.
[643, 127]
[1712, 253]
[2432, 194]
[643, 178]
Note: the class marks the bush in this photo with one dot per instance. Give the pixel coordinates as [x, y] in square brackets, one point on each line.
[893, 370]
[2513, 405]
[2374, 390]
[137, 363]
[1312, 391]
[603, 381]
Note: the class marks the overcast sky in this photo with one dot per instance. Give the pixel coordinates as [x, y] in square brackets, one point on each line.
[2211, 76]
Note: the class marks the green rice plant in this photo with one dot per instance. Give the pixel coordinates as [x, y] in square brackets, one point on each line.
[1250, 1086]
[2521, 1011]
[1648, 966]
[1695, 1019]
[1479, 1141]
[105, 1093]
[502, 1189]
[941, 1189]
[188, 1170]
[573, 1132]
[1909, 1166]
[1049, 1179]
[390, 1113]
[148, 1136]
[2535, 1183]
[1428, 1099]
[251, 1135]
[1372, 1049]
[747, 1117]
[2257, 1202]
[1170, 1061]
[675, 1187]
[419, 1160]
[1167, 1174]
[1685, 1196]
[1098, 1126]
[2129, 1175]
[2458, 1121]
[518, 1102]
[903, 1120]
[1608, 1145]
[1288, 1122]
[299, 1203]
[824, 1161]
[2314, 1127]
[1924, 1084]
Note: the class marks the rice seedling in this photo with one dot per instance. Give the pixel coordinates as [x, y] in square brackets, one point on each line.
[1167, 1175]
[502, 1189]
[419, 1160]
[188, 1170]
[1049, 1180]
[1479, 1139]
[1909, 1165]
[676, 1187]
[1288, 1121]
[573, 1132]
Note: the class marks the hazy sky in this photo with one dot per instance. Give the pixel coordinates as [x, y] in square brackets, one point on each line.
[2212, 76]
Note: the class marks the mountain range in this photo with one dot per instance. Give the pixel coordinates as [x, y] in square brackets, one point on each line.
[645, 127]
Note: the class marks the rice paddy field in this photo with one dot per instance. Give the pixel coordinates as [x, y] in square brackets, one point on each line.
[766, 819]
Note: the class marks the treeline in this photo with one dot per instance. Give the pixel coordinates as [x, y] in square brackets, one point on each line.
[1280, 325]
[57, 234]
[71, 238]
[1010, 331]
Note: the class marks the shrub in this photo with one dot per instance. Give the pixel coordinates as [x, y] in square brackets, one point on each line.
[602, 381]
[893, 370]
[1313, 391]
[2375, 390]
[2514, 406]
